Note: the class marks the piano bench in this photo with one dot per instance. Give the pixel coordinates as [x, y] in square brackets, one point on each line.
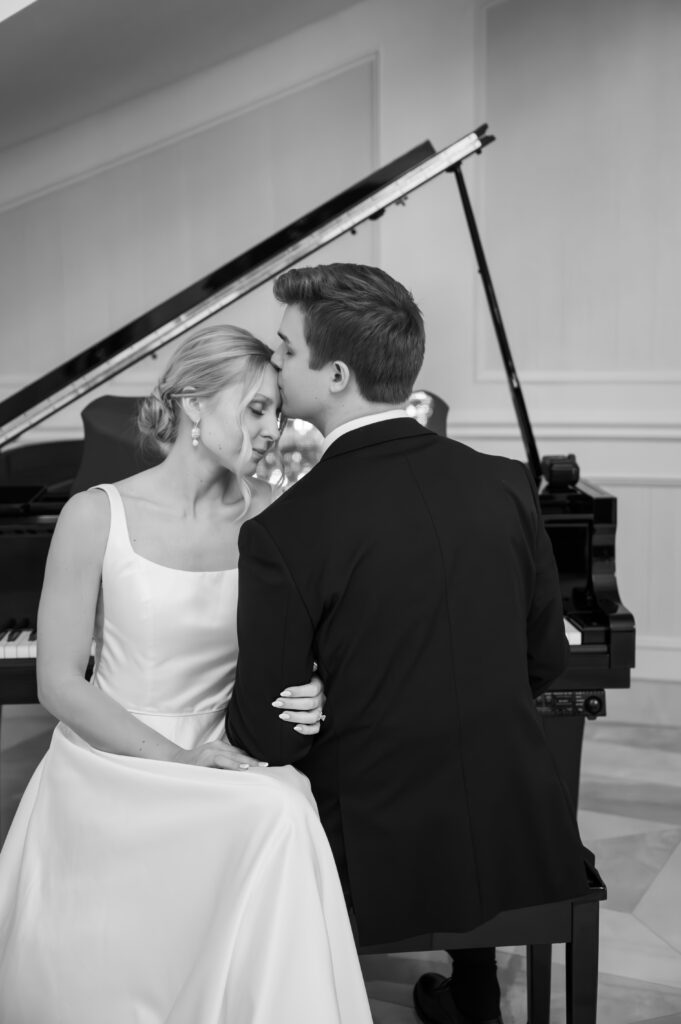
[573, 922]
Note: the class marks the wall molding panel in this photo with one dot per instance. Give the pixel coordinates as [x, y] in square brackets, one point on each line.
[581, 233]
[74, 176]
[104, 249]
[580, 228]
[529, 376]
[572, 430]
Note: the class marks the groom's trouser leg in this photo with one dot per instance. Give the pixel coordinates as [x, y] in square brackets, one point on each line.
[474, 984]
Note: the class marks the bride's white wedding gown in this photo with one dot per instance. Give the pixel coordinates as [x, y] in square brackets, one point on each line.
[145, 892]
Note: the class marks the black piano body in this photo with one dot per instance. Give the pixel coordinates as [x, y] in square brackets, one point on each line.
[581, 521]
[35, 481]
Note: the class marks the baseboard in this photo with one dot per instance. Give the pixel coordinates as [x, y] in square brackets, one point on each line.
[646, 702]
[658, 657]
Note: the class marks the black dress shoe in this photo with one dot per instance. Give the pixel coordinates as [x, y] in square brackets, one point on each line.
[435, 1004]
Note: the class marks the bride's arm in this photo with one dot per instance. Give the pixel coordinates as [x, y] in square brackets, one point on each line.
[65, 626]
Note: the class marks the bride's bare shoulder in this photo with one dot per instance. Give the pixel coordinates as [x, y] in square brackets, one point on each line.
[84, 521]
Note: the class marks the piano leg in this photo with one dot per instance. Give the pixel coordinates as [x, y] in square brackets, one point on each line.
[564, 735]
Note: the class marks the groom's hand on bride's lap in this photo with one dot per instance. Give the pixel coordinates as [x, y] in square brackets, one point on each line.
[303, 706]
[219, 754]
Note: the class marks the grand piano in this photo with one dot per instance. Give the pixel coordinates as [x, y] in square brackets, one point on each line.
[37, 479]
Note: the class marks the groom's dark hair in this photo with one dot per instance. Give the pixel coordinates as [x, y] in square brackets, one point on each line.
[363, 317]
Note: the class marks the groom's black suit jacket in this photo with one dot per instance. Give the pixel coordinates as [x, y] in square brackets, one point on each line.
[417, 573]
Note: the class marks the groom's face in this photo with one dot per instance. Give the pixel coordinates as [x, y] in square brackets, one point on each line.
[302, 389]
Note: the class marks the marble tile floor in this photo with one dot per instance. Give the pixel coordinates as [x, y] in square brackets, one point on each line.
[630, 815]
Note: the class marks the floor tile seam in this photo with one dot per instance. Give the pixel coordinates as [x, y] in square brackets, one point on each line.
[612, 725]
[641, 981]
[664, 818]
[676, 949]
[609, 753]
[632, 735]
[641, 826]
[610, 917]
[660, 775]
[609, 750]
[603, 766]
[612, 790]
[666, 815]
[670, 745]
[637, 835]
[656, 987]
[632, 775]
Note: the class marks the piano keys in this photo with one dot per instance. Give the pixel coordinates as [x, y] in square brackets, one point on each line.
[573, 634]
[18, 653]
[17, 643]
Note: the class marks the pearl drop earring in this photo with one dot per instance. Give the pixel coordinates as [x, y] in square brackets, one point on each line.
[196, 434]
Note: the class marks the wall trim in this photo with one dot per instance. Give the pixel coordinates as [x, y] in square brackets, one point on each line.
[666, 376]
[638, 480]
[615, 430]
[64, 180]
[463, 429]
[658, 658]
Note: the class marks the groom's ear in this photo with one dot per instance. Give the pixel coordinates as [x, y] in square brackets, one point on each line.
[341, 376]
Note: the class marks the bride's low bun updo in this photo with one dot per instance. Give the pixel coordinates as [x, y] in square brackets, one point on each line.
[157, 421]
[205, 363]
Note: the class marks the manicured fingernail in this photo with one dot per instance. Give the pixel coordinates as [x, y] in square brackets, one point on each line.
[264, 764]
[244, 766]
[285, 715]
[277, 703]
[285, 693]
[298, 728]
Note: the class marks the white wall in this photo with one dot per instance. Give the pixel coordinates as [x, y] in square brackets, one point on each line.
[575, 200]
[582, 218]
[125, 191]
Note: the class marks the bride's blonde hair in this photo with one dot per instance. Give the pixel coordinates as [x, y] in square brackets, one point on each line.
[205, 363]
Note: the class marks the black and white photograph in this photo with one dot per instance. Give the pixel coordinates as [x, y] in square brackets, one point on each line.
[340, 512]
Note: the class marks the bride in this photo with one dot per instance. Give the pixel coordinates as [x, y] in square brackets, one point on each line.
[155, 874]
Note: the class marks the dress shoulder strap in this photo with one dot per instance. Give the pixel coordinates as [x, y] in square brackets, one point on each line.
[118, 528]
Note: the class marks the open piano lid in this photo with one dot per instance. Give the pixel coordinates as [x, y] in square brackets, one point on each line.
[365, 200]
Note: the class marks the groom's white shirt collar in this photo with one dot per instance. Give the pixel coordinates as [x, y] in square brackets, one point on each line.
[361, 421]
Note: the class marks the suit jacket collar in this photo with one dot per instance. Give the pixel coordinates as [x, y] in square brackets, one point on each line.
[375, 433]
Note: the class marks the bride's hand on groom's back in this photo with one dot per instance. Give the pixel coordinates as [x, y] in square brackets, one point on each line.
[303, 706]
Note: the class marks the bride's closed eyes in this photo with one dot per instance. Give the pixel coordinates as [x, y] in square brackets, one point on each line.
[260, 406]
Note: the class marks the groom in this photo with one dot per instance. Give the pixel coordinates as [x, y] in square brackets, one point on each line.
[417, 574]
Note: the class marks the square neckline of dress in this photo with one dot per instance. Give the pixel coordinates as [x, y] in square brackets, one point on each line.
[149, 561]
